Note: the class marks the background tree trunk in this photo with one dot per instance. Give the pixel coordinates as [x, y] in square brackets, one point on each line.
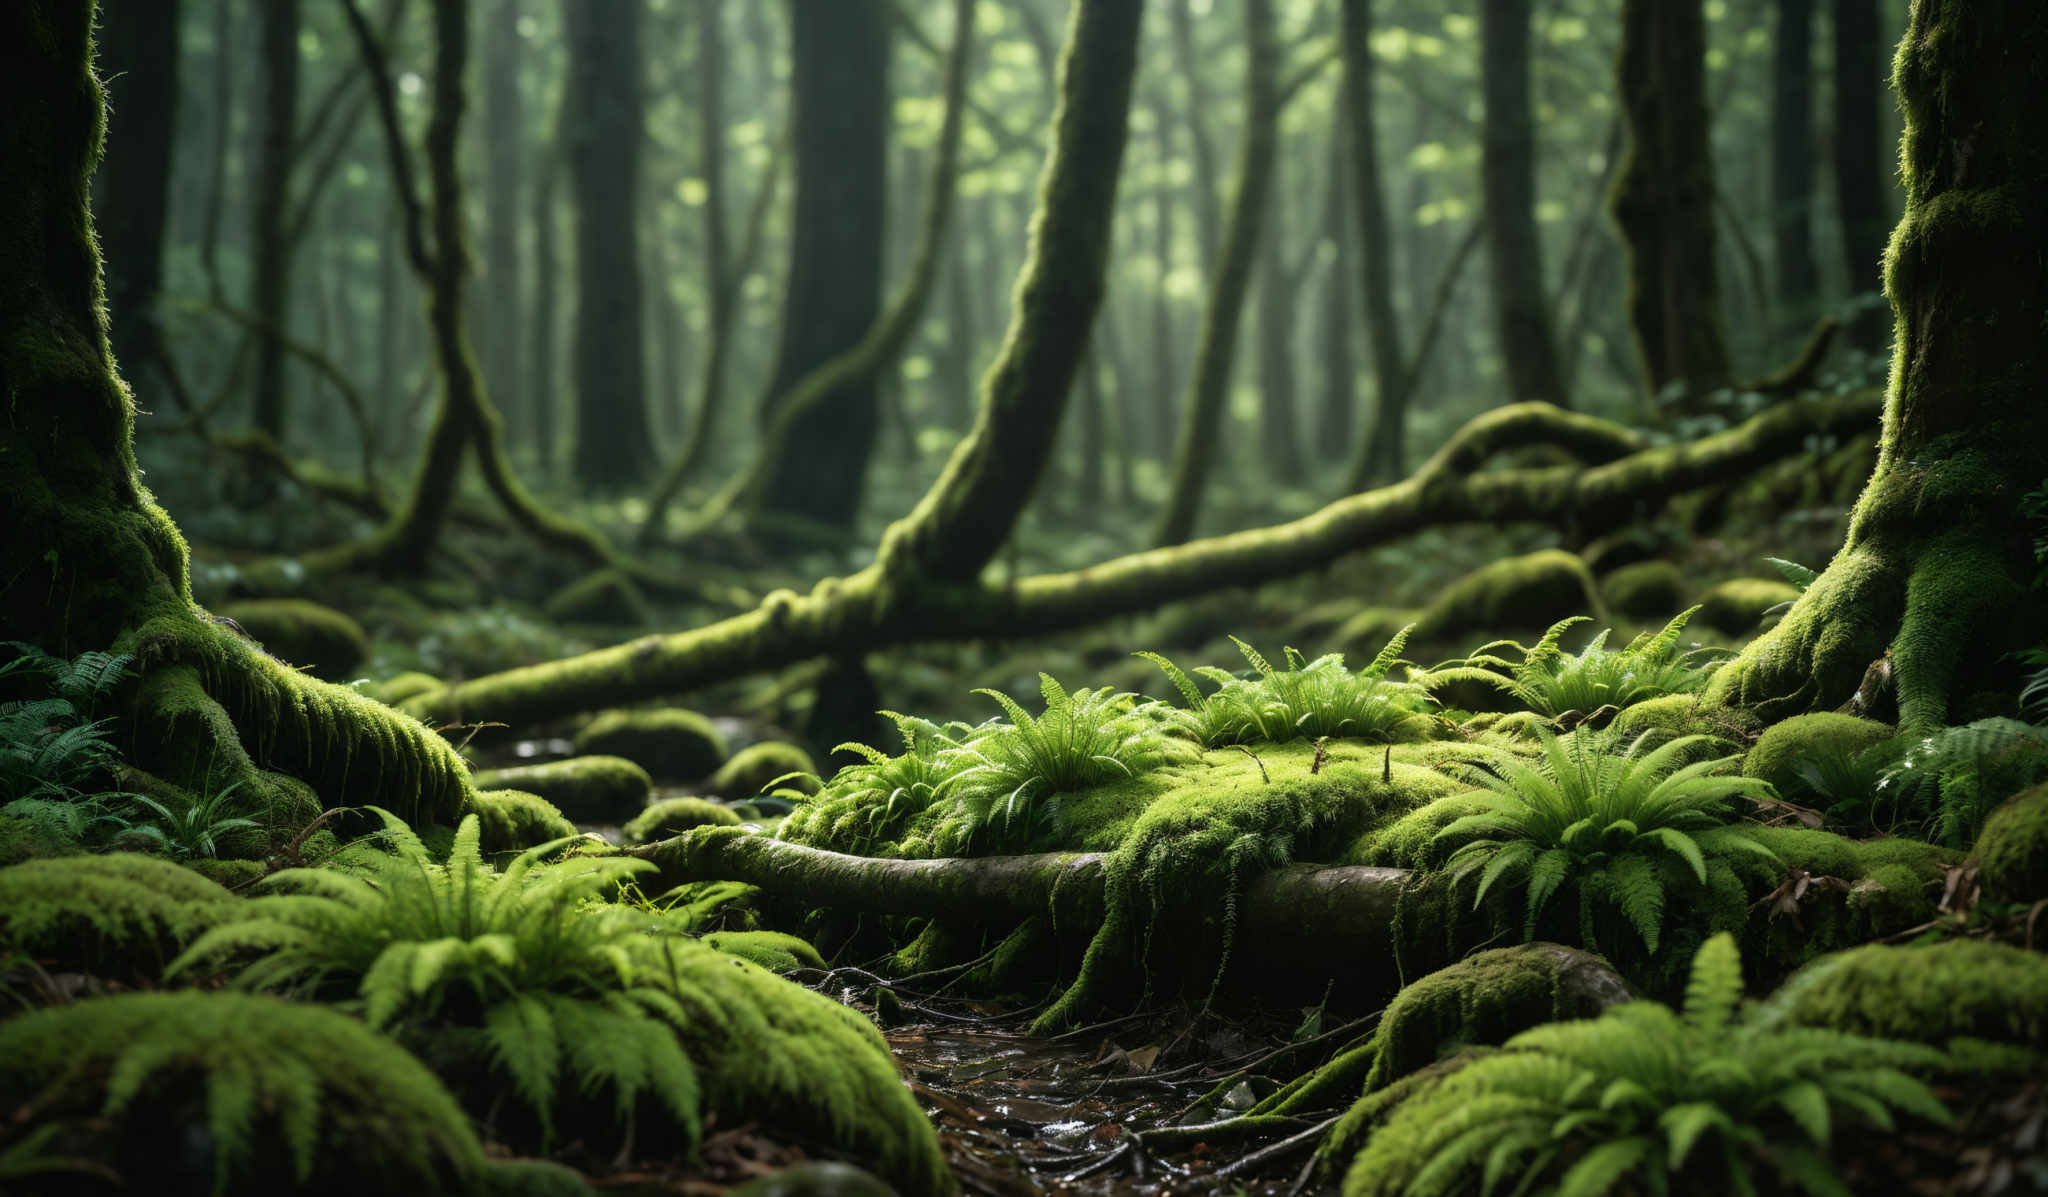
[1216, 351]
[1792, 166]
[1384, 455]
[139, 58]
[603, 135]
[270, 292]
[505, 210]
[1858, 160]
[1508, 183]
[1663, 198]
[1938, 560]
[1337, 414]
[1280, 425]
[840, 108]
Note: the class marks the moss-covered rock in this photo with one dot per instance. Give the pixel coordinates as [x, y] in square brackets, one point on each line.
[410, 684]
[2012, 850]
[1513, 594]
[230, 874]
[772, 950]
[672, 743]
[300, 632]
[673, 816]
[751, 769]
[1776, 754]
[1737, 606]
[1964, 987]
[514, 820]
[118, 911]
[1685, 715]
[1645, 590]
[585, 789]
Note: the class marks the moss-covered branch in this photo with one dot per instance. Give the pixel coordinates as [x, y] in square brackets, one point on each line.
[875, 608]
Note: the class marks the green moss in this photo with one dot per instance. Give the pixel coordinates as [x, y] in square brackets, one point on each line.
[1776, 754]
[285, 1092]
[231, 874]
[586, 789]
[772, 950]
[1645, 590]
[96, 913]
[301, 632]
[1961, 988]
[1513, 594]
[752, 768]
[1737, 606]
[673, 816]
[410, 684]
[514, 820]
[2012, 850]
[672, 744]
[604, 596]
[1685, 715]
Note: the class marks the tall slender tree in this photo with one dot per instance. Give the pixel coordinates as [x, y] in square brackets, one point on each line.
[270, 291]
[505, 209]
[1337, 413]
[1792, 162]
[1859, 158]
[1216, 350]
[1384, 454]
[1507, 174]
[1663, 197]
[139, 59]
[603, 130]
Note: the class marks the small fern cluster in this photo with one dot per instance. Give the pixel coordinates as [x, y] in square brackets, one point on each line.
[871, 804]
[1651, 1100]
[54, 758]
[1309, 699]
[1624, 828]
[1552, 682]
[1940, 786]
[516, 970]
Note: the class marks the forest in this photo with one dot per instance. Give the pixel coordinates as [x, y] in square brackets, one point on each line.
[780, 597]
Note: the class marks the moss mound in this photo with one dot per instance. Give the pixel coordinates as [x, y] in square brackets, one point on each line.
[2012, 850]
[772, 950]
[1645, 590]
[1964, 987]
[286, 1092]
[751, 769]
[410, 684]
[1514, 594]
[673, 816]
[1685, 715]
[300, 632]
[118, 910]
[514, 820]
[1776, 754]
[672, 744]
[584, 789]
[1737, 606]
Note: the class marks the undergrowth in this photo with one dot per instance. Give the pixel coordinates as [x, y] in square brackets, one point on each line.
[1553, 682]
[1311, 699]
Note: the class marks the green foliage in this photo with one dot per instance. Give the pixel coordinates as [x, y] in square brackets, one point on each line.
[290, 1091]
[1622, 828]
[1550, 681]
[517, 969]
[872, 803]
[1703, 1100]
[1971, 769]
[1309, 699]
[83, 911]
[513, 820]
[196, 832]
[54, 760]
[673, 816]
[1008, 793]
[1857, 788]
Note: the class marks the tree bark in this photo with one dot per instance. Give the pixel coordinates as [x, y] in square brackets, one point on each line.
[839, 56]
[1663, 198]
[1937, 565]
[1508, 184]
[603, 135]
[505, 210]
[139, 60]
[1384, 454]
[1859, 160]
[1216, 350]
[270, 289]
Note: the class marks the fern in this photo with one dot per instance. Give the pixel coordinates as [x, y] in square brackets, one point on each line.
[199, 831]
[81, 911]
[870, 804]
[1311, 699]
[1972, 769]
[518, 967]
[288, 1092]
[1551, 681]
[1699, 1100]
[1625, 827]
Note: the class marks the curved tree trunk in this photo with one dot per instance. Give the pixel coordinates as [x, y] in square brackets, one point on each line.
[139, 59]
[1508, 183]
[1663, 198]
[1216, 350]
[839, 56]
[602, 136]
[1384, 455]
[94, 562]
[1859, 159]
[1936, 568]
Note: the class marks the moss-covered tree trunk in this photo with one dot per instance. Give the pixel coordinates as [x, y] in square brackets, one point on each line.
[1936, 567]
[1216, 349]
[1859, 164]
[131, 197]
[1383, 457]
[270, 277]
[1663, 197]
[1792, 165]
[505, 210]
[839, 64]
[94, 563]
[603, 134]
[1507, 172]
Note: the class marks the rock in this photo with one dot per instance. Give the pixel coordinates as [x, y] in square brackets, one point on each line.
[672, 744]
[751, 769]
[1645, 590]
[585, 789]
[673, 816]
[1776, 754]
[1737, 606]
[514, 820]
[2012, 850]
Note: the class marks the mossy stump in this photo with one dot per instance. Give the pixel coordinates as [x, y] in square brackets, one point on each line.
[1645, 589]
